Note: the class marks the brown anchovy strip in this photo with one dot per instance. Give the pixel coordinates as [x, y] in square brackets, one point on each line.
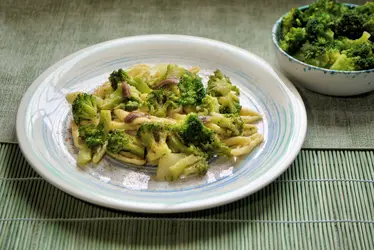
[169, 81]
[133, 115]
[126, 90]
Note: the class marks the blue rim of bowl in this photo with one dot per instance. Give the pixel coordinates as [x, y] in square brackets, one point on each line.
[331, 71]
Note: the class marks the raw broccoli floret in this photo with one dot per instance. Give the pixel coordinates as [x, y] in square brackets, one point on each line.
[84, 107]
[153, 136]
[208, 105]
[293, 40]
[193, 132]
[120, 141]
[119, 76]
[191, 89]
[93, 135]
[159, 102]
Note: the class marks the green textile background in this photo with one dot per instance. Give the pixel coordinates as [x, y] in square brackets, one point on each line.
[37, 33]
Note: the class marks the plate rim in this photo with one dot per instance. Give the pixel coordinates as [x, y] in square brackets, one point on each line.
[189, 206]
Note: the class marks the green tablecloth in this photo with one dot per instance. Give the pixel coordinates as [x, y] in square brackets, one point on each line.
[324, 201]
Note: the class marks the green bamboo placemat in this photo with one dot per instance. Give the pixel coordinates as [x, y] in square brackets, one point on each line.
[324, 201]
[35, 34]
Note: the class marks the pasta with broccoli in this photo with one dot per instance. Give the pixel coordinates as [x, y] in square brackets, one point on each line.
[163, 116]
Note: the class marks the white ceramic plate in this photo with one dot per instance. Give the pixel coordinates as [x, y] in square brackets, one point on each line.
[44, 115]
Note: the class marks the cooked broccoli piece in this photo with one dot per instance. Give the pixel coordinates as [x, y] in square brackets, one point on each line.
[319, 29]
[191, 165]
[350, 25]
[365, 10]
[93, 135]
[120, 76]
[192, 89]
[193, 132]
[230, 104]
[173, 166]
[159, 101]
[153, 136]
[208, 105]
[232, 125]
[362, 55]
[343, 63]
[113, 99]
[176, 144]
[84, 107]
[292, 41]
[318, 55]
[348, 43]
[174, 71]
[220, 86]
[120, 141]
[326, 6]
[294, 18]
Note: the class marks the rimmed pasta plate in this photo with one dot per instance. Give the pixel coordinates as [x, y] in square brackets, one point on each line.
[45, 135]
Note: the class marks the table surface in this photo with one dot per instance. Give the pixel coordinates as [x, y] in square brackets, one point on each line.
[324, 200]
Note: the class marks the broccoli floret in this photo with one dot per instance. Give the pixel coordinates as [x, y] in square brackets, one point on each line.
[113, 99]
[159, 101]
[369, 27]
[322, 6]
[93, 135]
[318, 55]
[174, 166]
[120, 141]
[319, 29]
[232, 125]
[191, 165]
[220, 85]
[120, 76]
[293, 40]
[350, 25]
[192, 89]
[153, 136]
[230, 104]
[295, 18]
[348, 43]
[344, 63]
[193, 132]
[174, 71]
[362, 55]
[365, 10]
[84, 107]
[208, 105]
[176, 144]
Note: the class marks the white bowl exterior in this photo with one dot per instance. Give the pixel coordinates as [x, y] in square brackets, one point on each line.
[325, 82]
[43, 110]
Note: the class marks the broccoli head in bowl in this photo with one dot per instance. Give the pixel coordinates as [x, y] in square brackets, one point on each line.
[330, 35]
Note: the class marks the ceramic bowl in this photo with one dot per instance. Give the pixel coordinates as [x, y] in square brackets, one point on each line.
[320, 80]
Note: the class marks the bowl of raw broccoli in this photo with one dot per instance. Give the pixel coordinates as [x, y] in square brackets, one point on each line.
[328, 47]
